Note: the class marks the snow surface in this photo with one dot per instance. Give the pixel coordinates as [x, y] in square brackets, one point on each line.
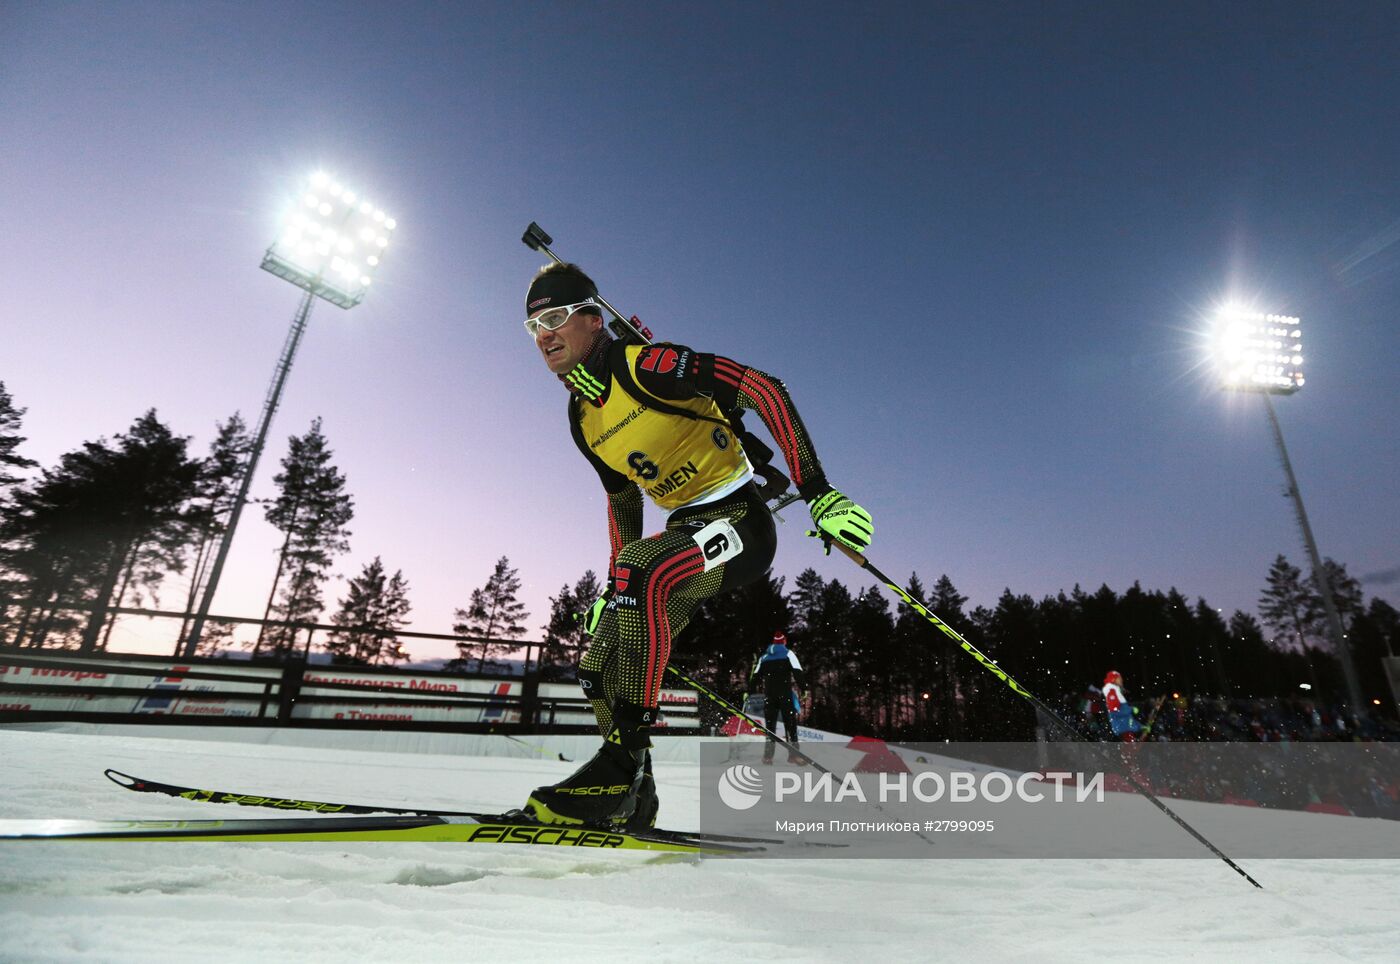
[93, 901]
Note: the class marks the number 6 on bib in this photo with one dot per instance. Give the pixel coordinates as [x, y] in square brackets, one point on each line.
[719, 542]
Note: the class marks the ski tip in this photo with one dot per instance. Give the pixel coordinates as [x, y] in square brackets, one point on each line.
[121, 779]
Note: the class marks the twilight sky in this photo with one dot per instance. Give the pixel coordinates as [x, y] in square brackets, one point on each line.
[978, 241]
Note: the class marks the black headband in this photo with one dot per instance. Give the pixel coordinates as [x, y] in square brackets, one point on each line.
[557, 288]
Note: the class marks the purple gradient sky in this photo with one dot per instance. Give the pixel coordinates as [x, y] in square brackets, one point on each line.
[977, 241]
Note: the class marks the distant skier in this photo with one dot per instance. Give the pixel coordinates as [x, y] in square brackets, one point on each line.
[1122, 715]
[777, 670]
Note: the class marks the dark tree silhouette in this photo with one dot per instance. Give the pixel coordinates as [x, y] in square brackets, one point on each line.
[374, 610]
[564, 639]
[312, 510]
[495, 614]
[219, 476]
[111, 517]
[10, 439]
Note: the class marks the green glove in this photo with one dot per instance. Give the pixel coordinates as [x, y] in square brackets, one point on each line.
[837, 517]
[594, 613]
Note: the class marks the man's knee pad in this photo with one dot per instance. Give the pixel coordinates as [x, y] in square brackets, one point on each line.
[592, 683]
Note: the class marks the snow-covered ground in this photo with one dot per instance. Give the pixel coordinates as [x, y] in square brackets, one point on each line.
[444, 902]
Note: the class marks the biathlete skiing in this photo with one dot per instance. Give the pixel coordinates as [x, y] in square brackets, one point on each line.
[650, 419]
[779, 672]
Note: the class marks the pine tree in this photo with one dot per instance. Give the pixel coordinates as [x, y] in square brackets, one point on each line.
[312, 509]
[1061, 649]
[1347, 595]
[1287, 606]
[110, 518]
[822, 613]
[805, 602]
[10, 460]
[948, 604]
[374, 609]
[1012, 637]
[219, 478]
[495, 615]
[11, 587]
[1374, 636]
[564, 639]
[804, 629]
[868, 660]
[1182, 649]
[1130, 635]
[913, 652]
[1250, 663]
[1214, 634]
[216, 639]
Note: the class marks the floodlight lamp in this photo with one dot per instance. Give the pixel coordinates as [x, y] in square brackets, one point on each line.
[321, 243]
[1250, 353]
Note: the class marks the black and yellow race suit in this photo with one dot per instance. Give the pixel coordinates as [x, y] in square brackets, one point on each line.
[719, 534]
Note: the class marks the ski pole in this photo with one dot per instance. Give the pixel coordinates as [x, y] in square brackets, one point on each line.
[536, 749]
[724, 704]
[1001, 674]
[720, 701]
[1152, 717]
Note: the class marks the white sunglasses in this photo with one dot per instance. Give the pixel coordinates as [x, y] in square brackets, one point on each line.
[556, 318]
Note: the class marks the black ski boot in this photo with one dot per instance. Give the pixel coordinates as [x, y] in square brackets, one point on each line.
[605, 790]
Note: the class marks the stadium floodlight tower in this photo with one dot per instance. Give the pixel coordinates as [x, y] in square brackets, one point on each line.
[331, 242]
[1263, 353]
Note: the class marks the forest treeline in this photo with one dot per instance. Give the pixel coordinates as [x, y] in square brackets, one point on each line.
[119, 522]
